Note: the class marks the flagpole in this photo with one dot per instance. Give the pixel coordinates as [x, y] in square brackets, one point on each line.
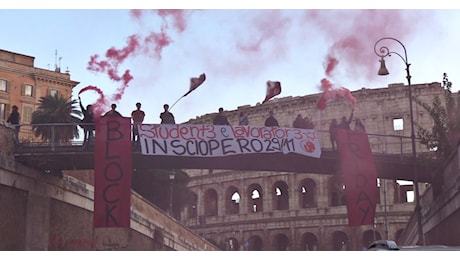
[193, 86]
[175, 102]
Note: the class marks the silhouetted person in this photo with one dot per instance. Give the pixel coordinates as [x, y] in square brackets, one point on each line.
[88, 122]
[112, 111]
[220, 118]
[271, 120]
[244, 118]
[345, 123]
[308, 123]
[137, 116]
[14, 119]
[166, 116]
[333, 132]
[359, 126]
[298, 122]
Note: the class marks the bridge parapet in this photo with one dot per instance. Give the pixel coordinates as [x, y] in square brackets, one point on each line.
[392, 155]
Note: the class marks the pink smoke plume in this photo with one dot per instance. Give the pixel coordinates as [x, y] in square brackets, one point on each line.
[136, 45]
[353, 41]
[177, 15]
[331, 93]
[270, 29]
[101, 102]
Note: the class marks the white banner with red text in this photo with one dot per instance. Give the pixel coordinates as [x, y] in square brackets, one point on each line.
[223, 140]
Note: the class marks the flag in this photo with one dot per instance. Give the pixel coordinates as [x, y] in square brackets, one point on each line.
[273, 89]
[195, 83]
[359, 176]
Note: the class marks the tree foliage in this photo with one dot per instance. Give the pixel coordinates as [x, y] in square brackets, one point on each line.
[443, 136]
[52, 110]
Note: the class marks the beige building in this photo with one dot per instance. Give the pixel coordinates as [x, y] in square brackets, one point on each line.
[241, 210]
[22, 84]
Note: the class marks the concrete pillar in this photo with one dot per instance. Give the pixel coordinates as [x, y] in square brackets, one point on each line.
[221, 190]
[200, 202]
[293, 192]
[37, 222]
[244, 197]
[267, 195]
[322, 193]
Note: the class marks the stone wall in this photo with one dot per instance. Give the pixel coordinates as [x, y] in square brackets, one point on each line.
[43, 212]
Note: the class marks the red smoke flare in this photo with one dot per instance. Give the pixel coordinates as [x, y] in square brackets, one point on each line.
[101, 102]
[135, 45]
[353, 39]
[331, 64]
[329, 92]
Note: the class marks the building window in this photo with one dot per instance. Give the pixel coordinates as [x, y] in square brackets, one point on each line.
[27, 114]
[28, 90]
[53, 92]
[3, 113]
[3, 85]
[398, 124]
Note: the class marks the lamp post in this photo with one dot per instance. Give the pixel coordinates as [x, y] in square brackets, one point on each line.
[172, 176]
[383, 52]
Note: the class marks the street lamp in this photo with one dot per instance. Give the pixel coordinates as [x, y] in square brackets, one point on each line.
[383, 52]
[172, 176]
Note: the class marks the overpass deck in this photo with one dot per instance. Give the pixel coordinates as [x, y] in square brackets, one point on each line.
[73, 156]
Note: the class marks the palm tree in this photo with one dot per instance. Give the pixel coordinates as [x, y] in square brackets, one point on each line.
[60, 111]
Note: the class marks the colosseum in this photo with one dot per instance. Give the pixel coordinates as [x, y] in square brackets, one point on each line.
[271, 210]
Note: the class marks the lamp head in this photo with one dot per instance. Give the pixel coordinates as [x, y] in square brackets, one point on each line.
[383, 69]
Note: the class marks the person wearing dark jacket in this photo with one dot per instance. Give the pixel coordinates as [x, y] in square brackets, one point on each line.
[299, 122]
[88, 122]
[333, 133]
[345, 123]
[166, 116]
[271, 120]
[14, 119]
[220, 118]
[113, 111]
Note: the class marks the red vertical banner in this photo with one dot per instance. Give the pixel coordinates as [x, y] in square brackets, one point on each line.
[112, 172]
[359, 176]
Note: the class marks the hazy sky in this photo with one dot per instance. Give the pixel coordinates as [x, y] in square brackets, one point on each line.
[238, 49]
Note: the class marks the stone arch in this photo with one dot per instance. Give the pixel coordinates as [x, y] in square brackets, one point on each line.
[255, 243]
[192, 207]
[309, 242]
[340, 241]
[232, 200]
[336, 191]
[369, 236]
[280, 196]
[307, 193]
[280, 242]
[210, 202]
[255, 198]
